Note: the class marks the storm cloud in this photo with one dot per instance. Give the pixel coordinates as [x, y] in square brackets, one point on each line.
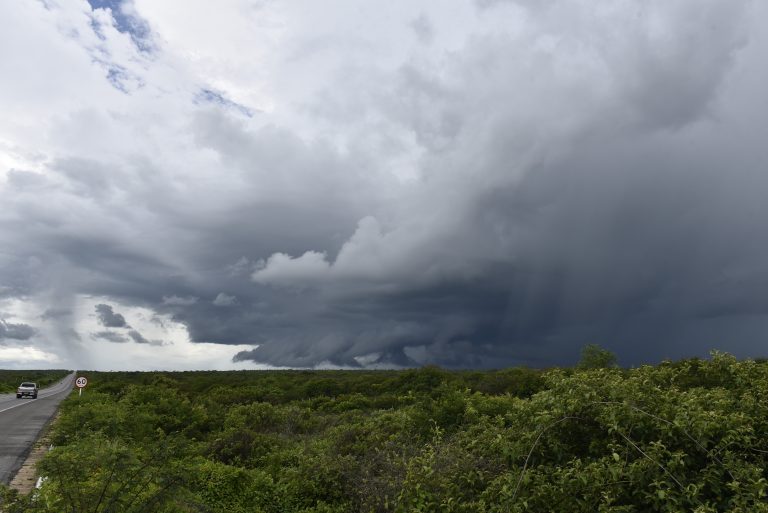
[494, 184]
[15, 331]
[109, 318]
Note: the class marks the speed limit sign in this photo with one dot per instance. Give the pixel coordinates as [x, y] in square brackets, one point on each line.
[81, 382]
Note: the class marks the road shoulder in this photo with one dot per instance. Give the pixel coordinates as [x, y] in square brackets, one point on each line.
[26, 477]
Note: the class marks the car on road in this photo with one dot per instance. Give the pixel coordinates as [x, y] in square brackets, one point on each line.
[27, 389]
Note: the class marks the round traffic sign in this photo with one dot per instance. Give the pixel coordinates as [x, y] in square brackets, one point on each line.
[81, 382]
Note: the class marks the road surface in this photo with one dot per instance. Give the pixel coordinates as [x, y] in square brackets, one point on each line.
[21, 421]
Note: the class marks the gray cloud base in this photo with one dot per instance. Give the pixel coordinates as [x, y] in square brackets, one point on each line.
[109, 318]
[16, 331]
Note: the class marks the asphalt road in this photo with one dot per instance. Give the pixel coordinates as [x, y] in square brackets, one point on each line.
[21, 421]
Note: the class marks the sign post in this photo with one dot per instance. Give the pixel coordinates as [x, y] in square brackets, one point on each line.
[80, 383]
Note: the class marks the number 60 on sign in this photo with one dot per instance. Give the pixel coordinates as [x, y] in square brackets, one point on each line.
[80, 384]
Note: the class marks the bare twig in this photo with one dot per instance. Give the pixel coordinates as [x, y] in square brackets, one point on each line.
[530, 452]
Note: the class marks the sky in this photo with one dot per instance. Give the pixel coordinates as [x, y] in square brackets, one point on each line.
[255, 184]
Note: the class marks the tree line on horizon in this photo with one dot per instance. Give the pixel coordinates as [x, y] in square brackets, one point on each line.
[11, 379]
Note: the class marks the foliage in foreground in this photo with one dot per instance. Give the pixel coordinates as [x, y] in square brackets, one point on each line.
[684, 436]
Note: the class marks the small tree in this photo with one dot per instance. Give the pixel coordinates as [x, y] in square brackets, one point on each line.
[595, 357]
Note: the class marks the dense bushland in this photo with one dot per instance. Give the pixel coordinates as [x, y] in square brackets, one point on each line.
[10, 379]
[683, 436]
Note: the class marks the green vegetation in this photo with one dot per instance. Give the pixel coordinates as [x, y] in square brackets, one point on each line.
[595, 357]
[10, 379]
[683, 436]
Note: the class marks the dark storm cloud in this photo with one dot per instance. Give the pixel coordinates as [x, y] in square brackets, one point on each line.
[109, 318]
[18, 331]
[238, 325]
[451, 322]
[574, 184]
[633, 233]
[637, 268]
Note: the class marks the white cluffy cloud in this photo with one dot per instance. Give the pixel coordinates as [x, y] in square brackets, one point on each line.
[223, 299]
[179, 301]
[26, 357]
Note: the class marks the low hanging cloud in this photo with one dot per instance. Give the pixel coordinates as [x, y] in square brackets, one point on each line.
[16, 331]
[110, 336]
[140, 339]
[109, 318]
[494, 184]
[120, 338]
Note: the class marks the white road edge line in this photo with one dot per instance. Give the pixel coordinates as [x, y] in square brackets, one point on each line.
[32, 401]
[12, 407]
